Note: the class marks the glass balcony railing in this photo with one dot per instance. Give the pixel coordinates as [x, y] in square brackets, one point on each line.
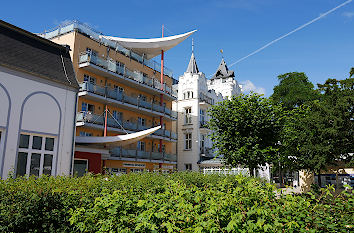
[97, 36]
[87, 117]
[120, 96]
[118, 69]
[129, 153]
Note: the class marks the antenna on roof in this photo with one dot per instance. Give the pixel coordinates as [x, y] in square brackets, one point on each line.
[192, 45]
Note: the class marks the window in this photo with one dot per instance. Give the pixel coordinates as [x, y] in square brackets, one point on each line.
[136, 170]
[188, 95]
[141, 121]
[202, 143]
[163, 148]
[80, 167]
[188, 141]
[188, 166]
[35, 156]
[91, 51]
[141, 146]
[188, 114]
[118, 171]
[142, 97]
[117, 115]
[85, 134]
[89, 79]
[118, 88]
[202, 116]
[85, 107]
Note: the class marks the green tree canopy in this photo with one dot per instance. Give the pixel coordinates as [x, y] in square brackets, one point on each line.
[245, 130]
[293, 90]
[321, 132]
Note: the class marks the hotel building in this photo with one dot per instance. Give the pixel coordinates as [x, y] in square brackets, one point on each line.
[122, 91]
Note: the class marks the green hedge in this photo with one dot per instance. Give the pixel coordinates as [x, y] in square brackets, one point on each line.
[180, 202]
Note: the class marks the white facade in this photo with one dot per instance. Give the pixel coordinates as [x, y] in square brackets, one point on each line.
[227, 87]
[194, 99]
[41, 109]
[196, 95]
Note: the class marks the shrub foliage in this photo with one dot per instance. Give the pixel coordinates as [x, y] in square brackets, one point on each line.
[180, 202]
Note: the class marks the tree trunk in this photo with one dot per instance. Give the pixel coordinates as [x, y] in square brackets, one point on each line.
[319, 179]
[251, 172]
[281, 183]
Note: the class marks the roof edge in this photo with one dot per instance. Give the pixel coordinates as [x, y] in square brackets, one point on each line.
[32, 35]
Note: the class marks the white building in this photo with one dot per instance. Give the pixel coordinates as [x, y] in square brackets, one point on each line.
[224, 82]
[194, 98]
[195, 95]
[38, 92]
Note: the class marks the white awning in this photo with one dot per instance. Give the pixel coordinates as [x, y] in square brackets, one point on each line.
[120, 140]
[150, 47]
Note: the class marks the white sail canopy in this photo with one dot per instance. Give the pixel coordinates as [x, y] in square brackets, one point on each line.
[120, 140]
[151, 47]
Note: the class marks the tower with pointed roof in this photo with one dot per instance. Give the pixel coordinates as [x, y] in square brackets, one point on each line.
[223, 81]
[194, 99]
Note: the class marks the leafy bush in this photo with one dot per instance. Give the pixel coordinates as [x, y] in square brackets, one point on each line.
[180, 202]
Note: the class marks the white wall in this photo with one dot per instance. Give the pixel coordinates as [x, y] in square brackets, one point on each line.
[46, 107]
[227, 87]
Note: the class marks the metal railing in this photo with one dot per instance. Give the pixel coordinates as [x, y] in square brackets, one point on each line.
[117, 68]
[122, 97]
[97, 36]
[129, 153]
[87, 117]
[206, 99]
[203, 124]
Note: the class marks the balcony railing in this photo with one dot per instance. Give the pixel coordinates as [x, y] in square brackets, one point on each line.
[120, 96]
[206, 153]
[83, 28]
[86, 117]
[203, 124]
[114, 67]
[206, 99]
[129, 153]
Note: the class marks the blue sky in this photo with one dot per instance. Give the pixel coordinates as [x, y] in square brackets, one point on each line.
[322, 50]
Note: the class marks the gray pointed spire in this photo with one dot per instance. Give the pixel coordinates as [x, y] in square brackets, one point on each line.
[223, 71]
[192, 66]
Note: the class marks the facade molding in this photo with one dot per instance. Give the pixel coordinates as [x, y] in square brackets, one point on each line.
[20, 127]
[6, 129]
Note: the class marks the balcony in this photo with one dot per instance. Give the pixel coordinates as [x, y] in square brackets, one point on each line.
[203, 125]
[203, 99]
[122, 153]
[97, 121]
[132, 103]
[101, 66]
[94, 35]
[206, 153]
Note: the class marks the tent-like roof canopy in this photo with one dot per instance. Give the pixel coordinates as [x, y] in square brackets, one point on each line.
[119, 140]
[150, 47]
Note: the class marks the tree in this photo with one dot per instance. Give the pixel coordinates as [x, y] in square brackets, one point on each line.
[245, 130]
[293, 90]
[320, 133]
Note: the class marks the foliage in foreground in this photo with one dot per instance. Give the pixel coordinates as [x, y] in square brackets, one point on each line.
[180, 202]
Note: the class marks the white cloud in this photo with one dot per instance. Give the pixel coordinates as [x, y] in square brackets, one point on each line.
[247, 86]
[348, 14]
